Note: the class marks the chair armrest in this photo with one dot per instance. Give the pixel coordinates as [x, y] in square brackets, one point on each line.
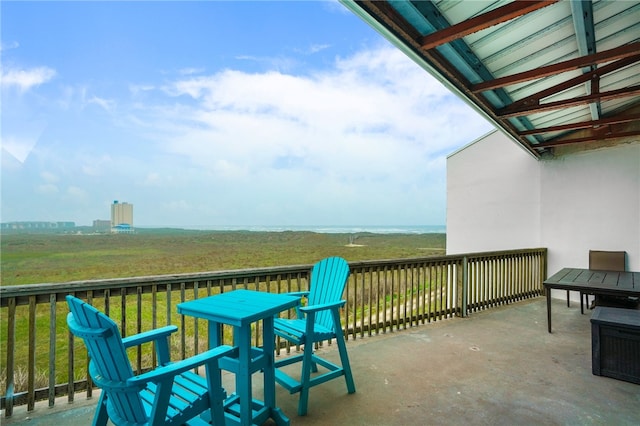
[300, 294]
[162, 373]
[322, 307]
[149, 336]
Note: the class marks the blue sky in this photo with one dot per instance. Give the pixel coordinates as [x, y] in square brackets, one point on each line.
[220, 114]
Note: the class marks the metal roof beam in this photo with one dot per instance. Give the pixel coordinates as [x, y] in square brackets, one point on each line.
[580, 100]
[570, 65]
[483, 21]
[534, 99]
[589, 138]
[583, 124]
[456, 59]
[582, 13]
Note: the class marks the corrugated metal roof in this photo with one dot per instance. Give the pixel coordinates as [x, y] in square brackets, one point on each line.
[549, 73]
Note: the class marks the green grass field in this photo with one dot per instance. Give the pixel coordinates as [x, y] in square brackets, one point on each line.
[53, 258]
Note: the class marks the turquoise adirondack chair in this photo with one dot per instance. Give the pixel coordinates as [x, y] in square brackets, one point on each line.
[318, 321]
[171, 394]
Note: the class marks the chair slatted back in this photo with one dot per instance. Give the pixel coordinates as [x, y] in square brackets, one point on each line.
[109, 367]
[328, 280]
[607, 260]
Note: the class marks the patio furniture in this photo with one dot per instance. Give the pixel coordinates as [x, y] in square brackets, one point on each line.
[169, 394]
[318, 321]
[610, 283]
[605, 261]
[240, 309]
[610, 261]
[615, 343]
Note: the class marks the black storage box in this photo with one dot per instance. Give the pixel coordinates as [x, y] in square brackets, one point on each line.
[615, 343]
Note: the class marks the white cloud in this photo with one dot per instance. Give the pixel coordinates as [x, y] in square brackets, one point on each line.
[25, 79]
[95, 165]
[49, 177]
[153, 179]
[76, 193]
[47, 189]
[191, 71]
[106, 104]
[136, 89]
[281, 63]
[376, 109]
[314, 48]
[9, 45]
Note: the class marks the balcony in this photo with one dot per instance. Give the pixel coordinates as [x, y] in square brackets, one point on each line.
[434, 340]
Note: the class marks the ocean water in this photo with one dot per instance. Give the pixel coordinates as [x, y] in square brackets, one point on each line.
[332, 229]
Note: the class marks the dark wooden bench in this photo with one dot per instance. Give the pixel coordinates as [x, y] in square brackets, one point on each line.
[615, 343]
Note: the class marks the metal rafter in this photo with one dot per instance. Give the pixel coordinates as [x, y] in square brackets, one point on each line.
[578, 100]
[631, 49]
[618, 119]
[535, 98]
[481, 22]
[582, 12]
[604, 135]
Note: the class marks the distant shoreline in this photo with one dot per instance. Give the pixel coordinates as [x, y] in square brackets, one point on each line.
[147, 230]
[322, 229]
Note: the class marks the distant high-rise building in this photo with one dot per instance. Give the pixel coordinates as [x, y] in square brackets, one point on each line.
[33, 225]
[121, 217]
[101, 225]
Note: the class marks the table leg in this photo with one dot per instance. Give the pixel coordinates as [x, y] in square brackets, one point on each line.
[215, 334]
[242, 337]
[268, 343]
[549, 309]
[215, 339]
[269, 373]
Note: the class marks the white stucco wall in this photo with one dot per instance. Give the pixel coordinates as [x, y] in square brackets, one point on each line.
[591, 200]
[493, 197]
[500, 197]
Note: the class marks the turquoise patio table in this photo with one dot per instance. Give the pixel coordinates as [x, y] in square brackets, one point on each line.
[241, 308]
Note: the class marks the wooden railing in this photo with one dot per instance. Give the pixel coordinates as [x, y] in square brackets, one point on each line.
[41, 360]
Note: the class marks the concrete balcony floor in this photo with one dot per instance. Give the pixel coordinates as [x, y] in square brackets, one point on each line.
[496, 367]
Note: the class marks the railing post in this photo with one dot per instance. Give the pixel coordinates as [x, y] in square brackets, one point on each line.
[11, 345]
[31, 362]
[70, 364]
[463, 286]
[52, 349]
